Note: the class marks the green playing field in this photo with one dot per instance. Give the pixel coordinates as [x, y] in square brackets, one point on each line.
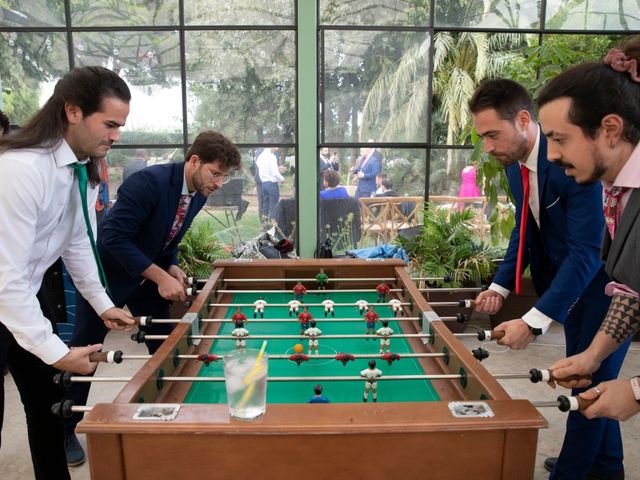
[301, 391]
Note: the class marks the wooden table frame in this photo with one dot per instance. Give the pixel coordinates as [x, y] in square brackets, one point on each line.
[331, 441]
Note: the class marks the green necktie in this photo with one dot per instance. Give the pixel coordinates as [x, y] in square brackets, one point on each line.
[81, 173]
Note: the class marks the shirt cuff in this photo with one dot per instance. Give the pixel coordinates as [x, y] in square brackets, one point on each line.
[51, 351]
[615, 288]
[100, 303]
[499, 289]
[536, 319]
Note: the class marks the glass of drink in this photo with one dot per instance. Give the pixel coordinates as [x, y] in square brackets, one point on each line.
[246, 381]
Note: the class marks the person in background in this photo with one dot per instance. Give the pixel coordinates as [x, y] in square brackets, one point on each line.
[44, 170]
[5, 125]
[102, 202]
[270, 179]
[386, 189]
[335, 162]
[468, 184]
[138, 163]
[379, 178]
[364, 172]
[332, 187]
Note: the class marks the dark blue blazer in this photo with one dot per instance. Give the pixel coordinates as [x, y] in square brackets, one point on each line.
[371, 169]
[564, 252]
[133, 235]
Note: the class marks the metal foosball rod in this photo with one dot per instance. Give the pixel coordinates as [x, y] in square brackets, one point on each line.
[470, 303]
[192, 280]
[148, 320]
[142, 336]
[360, 290]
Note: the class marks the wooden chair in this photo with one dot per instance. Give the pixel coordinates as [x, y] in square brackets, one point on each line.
[382, 217]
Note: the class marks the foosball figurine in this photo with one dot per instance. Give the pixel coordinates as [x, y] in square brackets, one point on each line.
[238, 316]
[390, 357]
[361, 305]
[344, 358]
[384, 333]
[382, 290]
[318, 397]
[371, 376]
[298, 356]
[304, 318]
[259, 307]
[371, 317]
[240, 333]
[313, 333]
[322, 279]
[396, 307]
[328, 307]
[299, 291]
[294, 306]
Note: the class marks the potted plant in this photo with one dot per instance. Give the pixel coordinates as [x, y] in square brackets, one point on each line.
[447, 246]
[197, 251]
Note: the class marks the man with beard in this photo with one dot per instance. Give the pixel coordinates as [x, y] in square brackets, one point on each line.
[592, 116]
[558, 234]
[138, 245]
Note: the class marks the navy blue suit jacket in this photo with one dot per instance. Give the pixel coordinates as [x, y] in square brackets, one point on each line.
[564, 252]
[373, 166]
[133, 235]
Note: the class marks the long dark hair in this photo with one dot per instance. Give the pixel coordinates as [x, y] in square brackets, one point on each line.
[85, 87]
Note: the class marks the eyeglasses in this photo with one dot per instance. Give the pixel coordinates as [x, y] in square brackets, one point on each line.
[217, 177]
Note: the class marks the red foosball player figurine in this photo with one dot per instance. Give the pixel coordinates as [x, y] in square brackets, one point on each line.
[298, 356]
[238, 316]
[382, 290]
[304, 318]
[390, 357]
[344, 358]
[371, 376]
[299, 290]
[371, 317]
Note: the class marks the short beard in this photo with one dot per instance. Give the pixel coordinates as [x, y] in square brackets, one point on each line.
[518, 154]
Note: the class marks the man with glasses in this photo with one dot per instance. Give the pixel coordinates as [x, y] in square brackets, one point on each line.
[138, 245]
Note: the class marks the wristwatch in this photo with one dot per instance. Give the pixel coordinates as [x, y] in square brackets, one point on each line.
[635, 386]
[535, 331]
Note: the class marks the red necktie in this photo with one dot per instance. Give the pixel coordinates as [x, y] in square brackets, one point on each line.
[611, 209]
[524, 171]
[181, 213]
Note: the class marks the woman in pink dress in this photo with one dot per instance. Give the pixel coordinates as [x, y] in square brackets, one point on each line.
[469, 187]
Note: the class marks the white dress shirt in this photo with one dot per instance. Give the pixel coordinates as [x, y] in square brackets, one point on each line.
[534, 317]
[42, 220]
[267, 164]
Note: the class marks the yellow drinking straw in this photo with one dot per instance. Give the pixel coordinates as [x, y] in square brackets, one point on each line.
[257, 368]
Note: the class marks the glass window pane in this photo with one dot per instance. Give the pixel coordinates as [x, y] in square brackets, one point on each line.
[600, 15]
[375, 12]
[96, 13]
[510, 14]
[30, 64]
[149, 62]
[242, 83]
[123, 162]
[446, 172]
[461, 61]
[376, 85]
[399, 185]
[240, 12]
[30, 13]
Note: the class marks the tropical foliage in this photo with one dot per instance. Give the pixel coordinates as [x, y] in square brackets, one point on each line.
[198, 250]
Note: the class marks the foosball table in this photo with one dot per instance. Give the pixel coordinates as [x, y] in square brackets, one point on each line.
[439, 414]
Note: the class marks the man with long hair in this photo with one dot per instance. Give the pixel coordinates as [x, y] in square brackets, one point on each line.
[41, 172]
[138, 245]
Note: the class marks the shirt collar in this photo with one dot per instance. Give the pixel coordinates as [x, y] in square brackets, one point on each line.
[185, 188]
[532, 160]
[629, 174]
[63, 154]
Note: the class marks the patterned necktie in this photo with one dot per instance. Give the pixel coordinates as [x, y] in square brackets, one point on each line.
[524, 172]
[181, 213]
[611, 210]
[81, 174]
